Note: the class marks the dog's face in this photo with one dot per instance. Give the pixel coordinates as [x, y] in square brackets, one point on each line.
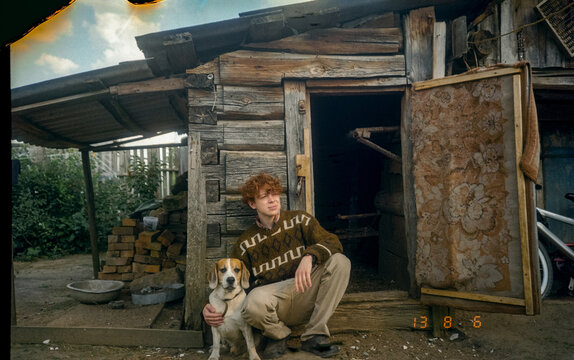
[229, 273]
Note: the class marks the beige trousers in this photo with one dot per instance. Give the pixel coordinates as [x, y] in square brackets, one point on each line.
[273, 308]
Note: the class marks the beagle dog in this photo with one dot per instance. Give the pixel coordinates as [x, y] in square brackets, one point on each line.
[228, 280]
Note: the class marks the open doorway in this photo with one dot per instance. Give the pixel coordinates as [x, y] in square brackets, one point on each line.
[354, 185]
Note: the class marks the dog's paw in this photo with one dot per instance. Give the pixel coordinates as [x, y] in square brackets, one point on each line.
[213, 357]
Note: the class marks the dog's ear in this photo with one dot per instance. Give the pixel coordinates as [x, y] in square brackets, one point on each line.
[212, 277]
[244, 276]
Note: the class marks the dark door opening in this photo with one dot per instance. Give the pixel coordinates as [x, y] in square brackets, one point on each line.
[353, 183]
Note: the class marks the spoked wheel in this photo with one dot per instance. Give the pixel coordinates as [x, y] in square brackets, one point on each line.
[546, 271]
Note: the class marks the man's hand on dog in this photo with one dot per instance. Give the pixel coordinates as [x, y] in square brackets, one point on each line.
[211, 317]
[303, 274]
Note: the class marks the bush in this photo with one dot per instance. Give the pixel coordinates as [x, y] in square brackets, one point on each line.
[144, 178]
[49, 216]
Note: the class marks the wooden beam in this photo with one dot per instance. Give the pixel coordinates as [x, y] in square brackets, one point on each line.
[419, 29]
[121, 115]
[91, 209]
[148, 86]
[337, 41]
[439, 50]
[22, 124]
[378, 84]
[107, 336]
[527, 267]
[195, 275]
[409, 207]
[474, 296]
[59, 101]
[466, 77]
[270, 68]
[240, 102]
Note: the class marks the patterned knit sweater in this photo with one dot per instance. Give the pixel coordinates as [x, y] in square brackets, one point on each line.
[273, 254]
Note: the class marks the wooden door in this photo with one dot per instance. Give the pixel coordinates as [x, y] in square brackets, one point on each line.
[298, 146]
[473, 140]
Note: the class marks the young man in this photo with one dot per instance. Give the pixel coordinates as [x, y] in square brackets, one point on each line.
[299, 269]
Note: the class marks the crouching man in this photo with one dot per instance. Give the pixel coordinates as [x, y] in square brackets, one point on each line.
[300, 273]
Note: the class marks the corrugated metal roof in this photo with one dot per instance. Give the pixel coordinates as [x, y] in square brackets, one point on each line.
[83, 110]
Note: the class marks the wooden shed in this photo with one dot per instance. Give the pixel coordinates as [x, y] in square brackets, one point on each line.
[330, 96]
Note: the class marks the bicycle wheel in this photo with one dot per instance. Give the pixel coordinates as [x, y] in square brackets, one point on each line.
[546, 271]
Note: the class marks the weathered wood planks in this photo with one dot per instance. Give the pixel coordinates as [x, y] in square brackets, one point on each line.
[337, 41]
[267, 68]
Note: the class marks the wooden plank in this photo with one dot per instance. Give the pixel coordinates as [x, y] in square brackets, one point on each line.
[419, 29]
[522, 211]
[378, 310]
[148, 86]
[266, 68]
[439, 50]
[466, 77]
[337, 41]
[253, 135]
[473, 296]
[240, 165]
[315, 85]
[84, 97]
[240, 102]
[195, 291]
[409, 208]
[107, 336]
[295, 122]
[508, 46]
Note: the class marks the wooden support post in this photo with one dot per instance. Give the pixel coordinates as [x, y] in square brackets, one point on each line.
[441, 320]
[419, 30]
[195, 275]
[91, 208]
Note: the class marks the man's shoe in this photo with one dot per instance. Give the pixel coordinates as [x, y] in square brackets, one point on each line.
[320, 346]
[274, 348]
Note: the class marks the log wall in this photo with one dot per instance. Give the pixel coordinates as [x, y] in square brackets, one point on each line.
[236, 103]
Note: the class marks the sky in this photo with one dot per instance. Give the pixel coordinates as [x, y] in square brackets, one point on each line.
[94, 34]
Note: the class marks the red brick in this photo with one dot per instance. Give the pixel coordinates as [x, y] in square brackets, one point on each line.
[129, 222]
[119, 261]
[166, 238]
[124, 230]
[105, 276]
[121, 246]
[128, 238]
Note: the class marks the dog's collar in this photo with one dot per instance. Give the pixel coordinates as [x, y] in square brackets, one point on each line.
[226, 301]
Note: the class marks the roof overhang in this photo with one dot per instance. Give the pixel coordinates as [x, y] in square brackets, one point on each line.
[99, 109]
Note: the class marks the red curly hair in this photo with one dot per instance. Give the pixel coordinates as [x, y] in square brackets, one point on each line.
[251, 188]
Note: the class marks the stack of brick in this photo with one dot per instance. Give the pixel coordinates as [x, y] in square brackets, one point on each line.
[121, 252]
[154, 251]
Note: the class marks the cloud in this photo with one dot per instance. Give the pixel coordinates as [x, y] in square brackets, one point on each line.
[117, 33]
[58, 65]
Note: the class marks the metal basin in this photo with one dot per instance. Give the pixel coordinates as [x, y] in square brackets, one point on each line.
[158, 294]
[95, 291]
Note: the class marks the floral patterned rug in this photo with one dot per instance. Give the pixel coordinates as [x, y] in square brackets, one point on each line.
[465, 183]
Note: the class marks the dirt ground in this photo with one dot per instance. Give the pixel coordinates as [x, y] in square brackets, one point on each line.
[42, 300]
